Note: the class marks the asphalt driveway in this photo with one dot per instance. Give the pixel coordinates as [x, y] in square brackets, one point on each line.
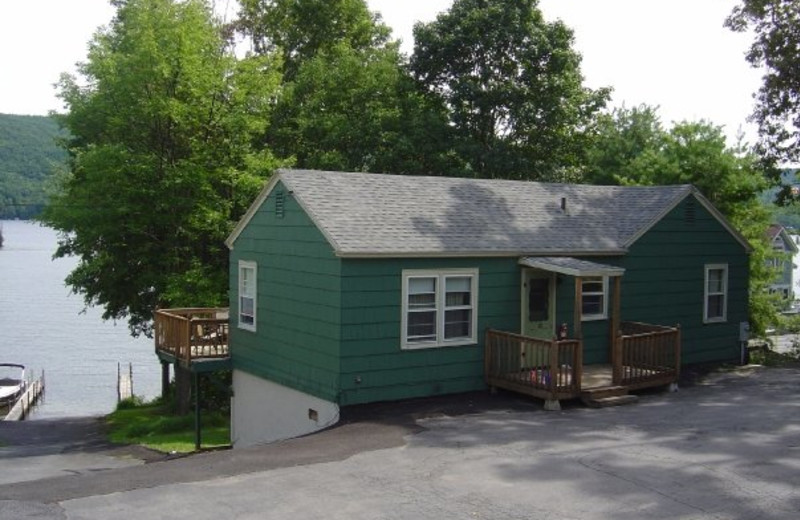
[727, 447]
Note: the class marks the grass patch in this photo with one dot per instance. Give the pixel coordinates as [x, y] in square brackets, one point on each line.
[155, 426]
[770, 358]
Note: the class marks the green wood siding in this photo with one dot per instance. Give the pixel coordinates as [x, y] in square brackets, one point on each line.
[296, 342]
[375, 368]
[596, 333]
[664, 284]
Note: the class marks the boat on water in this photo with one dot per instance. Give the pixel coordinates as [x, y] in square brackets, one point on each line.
[12, 383]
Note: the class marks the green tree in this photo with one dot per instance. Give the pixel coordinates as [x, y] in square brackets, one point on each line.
[357, 110]
[632, 147]
[625, 142]
[512, 86]
[300, 29]
[161, 162]
[775, 49]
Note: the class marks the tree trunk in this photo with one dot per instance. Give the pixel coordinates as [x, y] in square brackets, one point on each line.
[164, 381]
[183, 389]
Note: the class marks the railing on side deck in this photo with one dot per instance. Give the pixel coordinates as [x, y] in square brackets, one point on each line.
[536, 367]
[192, 333]
[647, 355]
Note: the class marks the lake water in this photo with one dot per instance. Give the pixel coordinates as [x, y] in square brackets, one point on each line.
[45, 327]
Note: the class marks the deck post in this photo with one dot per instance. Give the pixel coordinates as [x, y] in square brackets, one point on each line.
[616, 306]
[183, 388]
[577, 370]
[576, 318]
[616, 334]
[197, 439]
[616, 365]
[487, 352]
[164, 380]
[677, 352]
[552, 404]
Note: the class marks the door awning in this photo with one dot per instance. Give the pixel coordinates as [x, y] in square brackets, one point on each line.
[570, 266]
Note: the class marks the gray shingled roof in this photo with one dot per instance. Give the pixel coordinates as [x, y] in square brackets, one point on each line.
[378, 214]
[571, 266]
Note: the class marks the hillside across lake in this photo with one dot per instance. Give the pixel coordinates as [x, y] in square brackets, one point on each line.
[29, 156]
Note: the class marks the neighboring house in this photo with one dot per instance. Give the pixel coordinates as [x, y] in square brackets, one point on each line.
[786, 249]
[351, 288]
[796, 265]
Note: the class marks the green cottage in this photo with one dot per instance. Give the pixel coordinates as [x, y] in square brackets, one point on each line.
[351, 288]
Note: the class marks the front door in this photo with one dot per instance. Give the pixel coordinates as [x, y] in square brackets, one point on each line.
[538, 304]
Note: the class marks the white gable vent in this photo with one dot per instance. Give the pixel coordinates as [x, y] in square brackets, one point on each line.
[689, 211]
[280, 203]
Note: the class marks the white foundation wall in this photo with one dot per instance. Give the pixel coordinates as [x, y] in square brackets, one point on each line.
[263, 411]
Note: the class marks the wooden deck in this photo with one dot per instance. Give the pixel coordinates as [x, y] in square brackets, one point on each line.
[597, 376]
[644, 356]
[192, 335]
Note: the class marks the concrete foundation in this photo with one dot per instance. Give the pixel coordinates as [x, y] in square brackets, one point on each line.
[263, 411]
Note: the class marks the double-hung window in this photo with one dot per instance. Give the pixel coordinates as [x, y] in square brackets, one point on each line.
[247, 295]
[439, 308]
[594, 294]
[715, 305]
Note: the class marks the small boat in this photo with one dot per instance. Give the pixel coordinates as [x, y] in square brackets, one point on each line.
[12, 383]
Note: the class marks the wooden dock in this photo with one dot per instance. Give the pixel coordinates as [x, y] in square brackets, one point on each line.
[22, 407]
[124, 383]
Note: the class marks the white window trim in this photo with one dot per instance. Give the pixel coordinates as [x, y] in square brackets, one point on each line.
[245, 264]
[440, 275]
[706, 294]
[604, 314]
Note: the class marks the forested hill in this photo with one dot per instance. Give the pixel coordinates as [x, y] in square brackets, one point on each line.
[28, 156]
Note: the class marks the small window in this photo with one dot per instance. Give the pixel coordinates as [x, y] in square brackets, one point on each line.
[247, 295]
[594, 294]
[715, 307]
[421, 309]
[538, 299]
[439, 308]
[457, 307]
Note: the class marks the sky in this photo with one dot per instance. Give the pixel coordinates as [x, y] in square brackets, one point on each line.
[674, 54]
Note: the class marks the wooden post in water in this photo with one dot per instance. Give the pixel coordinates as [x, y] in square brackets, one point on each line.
[124, 383]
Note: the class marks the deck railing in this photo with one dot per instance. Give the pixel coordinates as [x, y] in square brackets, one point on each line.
[192, 333]
[646, 355]
[547, 369]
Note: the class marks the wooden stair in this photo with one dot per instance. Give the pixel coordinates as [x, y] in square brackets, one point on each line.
[603, 396]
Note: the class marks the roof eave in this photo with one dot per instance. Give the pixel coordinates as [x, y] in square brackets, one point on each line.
[722, 220]
[253, 209]
[669, 207]
[278, 176]
[475, 254]
[787, 239]
[585, 269]
[703, 202]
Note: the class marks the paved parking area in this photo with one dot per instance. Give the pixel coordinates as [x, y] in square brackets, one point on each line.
[725, 448]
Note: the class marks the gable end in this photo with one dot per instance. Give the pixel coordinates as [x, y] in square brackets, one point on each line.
[690, 212]
[285, 190]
